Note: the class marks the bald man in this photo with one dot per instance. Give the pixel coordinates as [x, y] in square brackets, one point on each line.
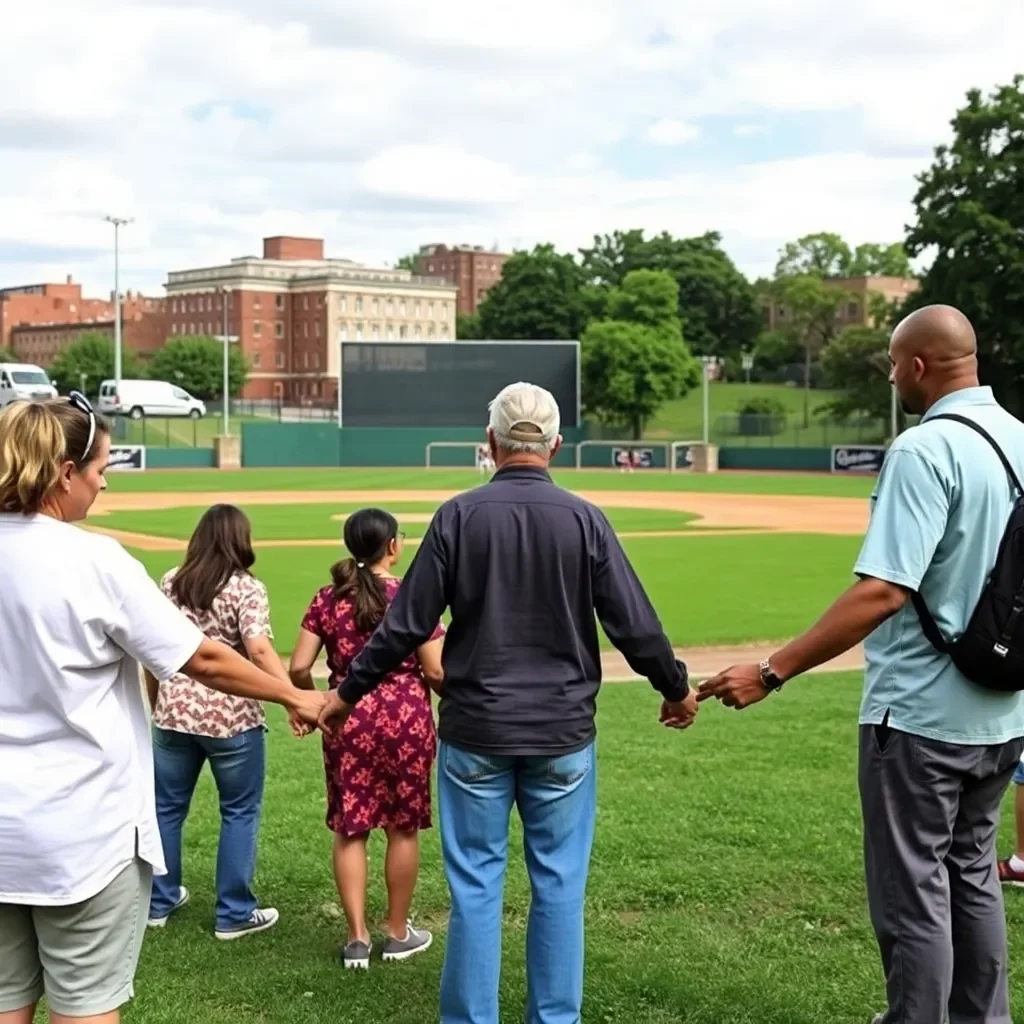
[936, 750]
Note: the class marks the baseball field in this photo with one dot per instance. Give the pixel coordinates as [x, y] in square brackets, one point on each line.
[726, 883]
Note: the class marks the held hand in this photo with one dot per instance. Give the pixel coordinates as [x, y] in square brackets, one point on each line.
[737, 687]
[307, 707]
[334, 713]
[298, 727]
[679, 714]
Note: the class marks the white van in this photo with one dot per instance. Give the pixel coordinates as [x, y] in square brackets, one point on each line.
[138, 398]
[24, 380]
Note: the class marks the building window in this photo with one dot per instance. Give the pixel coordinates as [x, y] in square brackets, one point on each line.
[359, 332]
[209, 303]
[278, 329]
[391, 332]
[376, 307]
[174, 305]
[316, 360]
[191, 328]
[430, 310]
[279, 360]
[430, 268]
[417, 331]
[255, 360]
[343, 332]
[359, 303]
[257, 328]
[314, 389]
[174, 328]
[341, 304]
[316, 329]
[256, 301]
[403, 331]
[444, 310]
[375, 332]
[430, 331]
[391, 307]
[305, 328]
[853, 310]
[402, 308]
[305, 360]
[279, 301]
[305, 302]
[417, 312]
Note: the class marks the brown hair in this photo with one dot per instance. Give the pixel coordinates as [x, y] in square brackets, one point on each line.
[367, 535]
[36, 439]
[221, 546]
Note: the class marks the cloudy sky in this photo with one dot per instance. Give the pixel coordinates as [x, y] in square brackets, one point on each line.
[381, 125]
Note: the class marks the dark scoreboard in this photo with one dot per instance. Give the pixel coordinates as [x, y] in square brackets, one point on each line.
[449, 383]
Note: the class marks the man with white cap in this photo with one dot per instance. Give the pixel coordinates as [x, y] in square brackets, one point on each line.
[523, 566]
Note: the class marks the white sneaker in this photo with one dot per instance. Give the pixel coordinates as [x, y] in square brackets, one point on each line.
[161, 922]
[259, 921]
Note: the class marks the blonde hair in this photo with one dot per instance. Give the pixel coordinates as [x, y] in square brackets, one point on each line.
[36, 439]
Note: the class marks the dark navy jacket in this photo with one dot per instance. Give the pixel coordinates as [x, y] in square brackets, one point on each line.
[524, 566]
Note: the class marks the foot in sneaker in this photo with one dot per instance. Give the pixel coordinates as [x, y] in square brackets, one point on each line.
[416, 940]
[259, 921]
[355, 955]
[160, 922]
[1009, 875]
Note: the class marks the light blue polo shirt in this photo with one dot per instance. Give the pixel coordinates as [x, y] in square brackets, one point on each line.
[938, 513]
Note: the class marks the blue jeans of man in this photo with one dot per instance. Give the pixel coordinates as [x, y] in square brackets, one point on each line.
[556, 799]
[238, 765]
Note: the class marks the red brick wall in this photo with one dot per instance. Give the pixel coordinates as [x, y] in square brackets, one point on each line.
[286, 247]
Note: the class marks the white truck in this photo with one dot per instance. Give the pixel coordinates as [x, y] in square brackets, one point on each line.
[24, 380]
[139, 398]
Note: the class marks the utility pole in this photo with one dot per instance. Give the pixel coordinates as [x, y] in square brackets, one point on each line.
[118, 223]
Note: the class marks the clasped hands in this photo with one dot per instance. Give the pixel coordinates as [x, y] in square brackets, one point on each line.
[737, 687]
[318, 710]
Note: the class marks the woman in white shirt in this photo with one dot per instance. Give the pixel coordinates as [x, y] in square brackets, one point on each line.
[79, 842]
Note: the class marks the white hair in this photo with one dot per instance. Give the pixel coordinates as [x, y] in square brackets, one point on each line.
[525, 419]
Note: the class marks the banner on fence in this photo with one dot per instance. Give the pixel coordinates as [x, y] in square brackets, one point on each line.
[857, 458]
[683, 456]
[632, 458]
[127, 457]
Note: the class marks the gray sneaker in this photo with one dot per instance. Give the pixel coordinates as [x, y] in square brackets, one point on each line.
[259, 921]
[355, 955]
[161, 922]
[417, 940]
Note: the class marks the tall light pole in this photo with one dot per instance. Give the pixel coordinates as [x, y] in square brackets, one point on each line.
[118, 223]
[225, 294]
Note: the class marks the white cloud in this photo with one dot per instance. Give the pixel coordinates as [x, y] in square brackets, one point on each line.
[668, 132]
[383, 126]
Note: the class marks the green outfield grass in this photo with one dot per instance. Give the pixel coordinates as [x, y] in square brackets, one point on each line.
[397, 479]
[707, 590]
[319, 522]
[179, 431]
[726, 886]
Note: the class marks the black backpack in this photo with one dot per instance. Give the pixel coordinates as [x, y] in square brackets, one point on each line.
[991, 650]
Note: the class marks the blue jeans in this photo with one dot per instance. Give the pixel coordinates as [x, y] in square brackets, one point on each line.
[556, 798]
[238, 767]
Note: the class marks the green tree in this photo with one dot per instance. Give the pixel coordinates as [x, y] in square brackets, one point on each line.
[538, 297]
[7, 355]
[89, 361]
[717, 304]
[822, 254]
[467, 327]
[811, 306]
[407, 262]
[874, 260]
[636, 361]
[857, 365]
[196, 363]
[969, 211]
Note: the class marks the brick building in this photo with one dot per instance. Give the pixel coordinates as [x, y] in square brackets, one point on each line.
[472, 269]
[291, 306]
[144, 329]
[856, 311]
[47, 303]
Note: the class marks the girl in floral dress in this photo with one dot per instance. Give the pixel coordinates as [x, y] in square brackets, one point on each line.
[378, 767]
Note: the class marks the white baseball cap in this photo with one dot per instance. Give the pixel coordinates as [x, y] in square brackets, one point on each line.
[526, 413]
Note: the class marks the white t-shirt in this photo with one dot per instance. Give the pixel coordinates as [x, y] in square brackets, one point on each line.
[77, 616]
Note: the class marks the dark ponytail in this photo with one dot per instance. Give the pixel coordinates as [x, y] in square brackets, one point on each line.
[367, 535]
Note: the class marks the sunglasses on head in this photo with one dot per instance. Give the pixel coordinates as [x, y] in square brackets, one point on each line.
[78, 401]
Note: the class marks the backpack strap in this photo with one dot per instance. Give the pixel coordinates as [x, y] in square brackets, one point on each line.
[979, 429]
[928, 625]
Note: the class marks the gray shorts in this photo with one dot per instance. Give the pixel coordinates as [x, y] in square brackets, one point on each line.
[82, 957]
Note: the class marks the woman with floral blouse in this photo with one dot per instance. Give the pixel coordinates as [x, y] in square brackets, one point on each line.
[194, 725]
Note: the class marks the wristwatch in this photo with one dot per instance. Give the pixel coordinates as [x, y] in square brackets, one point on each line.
[770, 679]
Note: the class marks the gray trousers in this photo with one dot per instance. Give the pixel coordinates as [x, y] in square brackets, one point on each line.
[930, 815]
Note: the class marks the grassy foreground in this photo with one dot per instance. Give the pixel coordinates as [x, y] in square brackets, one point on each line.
[726, 886]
